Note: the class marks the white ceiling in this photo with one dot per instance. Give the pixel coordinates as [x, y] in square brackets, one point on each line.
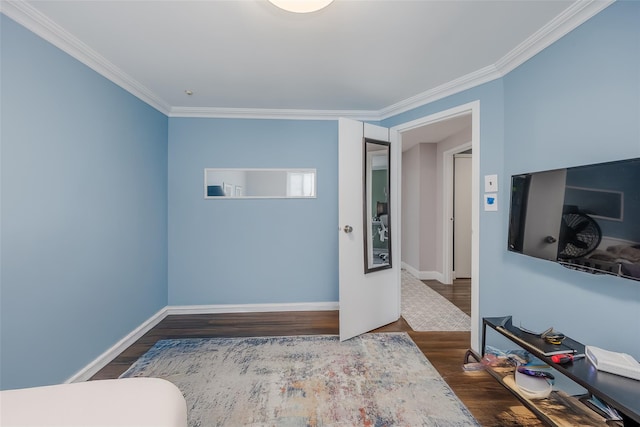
[438, 132]
[356, 55]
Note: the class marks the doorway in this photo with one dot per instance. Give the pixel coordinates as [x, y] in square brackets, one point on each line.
[409, 133]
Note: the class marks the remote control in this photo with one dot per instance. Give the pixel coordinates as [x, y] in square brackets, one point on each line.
[533, 373]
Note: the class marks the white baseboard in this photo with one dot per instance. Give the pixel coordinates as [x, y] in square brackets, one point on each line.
[423, 275]
[105, 358]
[251, 308]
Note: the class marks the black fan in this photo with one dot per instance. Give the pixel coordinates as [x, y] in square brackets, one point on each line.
[579, 235]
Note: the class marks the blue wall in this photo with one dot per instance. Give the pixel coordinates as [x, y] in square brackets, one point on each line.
[84, 191]
[91, 249]
[252, 250]
[576, 102]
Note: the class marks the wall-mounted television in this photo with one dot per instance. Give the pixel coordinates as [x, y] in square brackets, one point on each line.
[585, 218]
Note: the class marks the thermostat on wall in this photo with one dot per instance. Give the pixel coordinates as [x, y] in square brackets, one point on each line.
[615, 363]
[491, 202]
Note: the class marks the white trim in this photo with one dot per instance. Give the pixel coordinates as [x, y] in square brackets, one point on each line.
[458, 85]
[251, 308]
[396, 165]
[474, 109]
[32, 19]
[575, 15]
[451, 113]
[276, 114]
[103, 360]
[578, 13]
[422, 275]
[475, 226]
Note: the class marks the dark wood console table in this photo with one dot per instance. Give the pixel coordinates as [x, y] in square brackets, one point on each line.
[619, 392]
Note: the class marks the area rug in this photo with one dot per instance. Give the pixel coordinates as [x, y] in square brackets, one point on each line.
[371, 380]
[426, 310]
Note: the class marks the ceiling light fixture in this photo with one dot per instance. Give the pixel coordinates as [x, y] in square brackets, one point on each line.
[301, 6]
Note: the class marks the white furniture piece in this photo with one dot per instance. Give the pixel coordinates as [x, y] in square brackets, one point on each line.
[121, 402]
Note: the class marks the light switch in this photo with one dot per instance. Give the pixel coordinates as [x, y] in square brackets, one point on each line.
[490, 183]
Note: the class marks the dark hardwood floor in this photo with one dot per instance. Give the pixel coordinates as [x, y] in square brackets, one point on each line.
[488, 401]
[459, 293]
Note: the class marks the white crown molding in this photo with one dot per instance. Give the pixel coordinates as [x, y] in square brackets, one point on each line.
[264, 113]
[463, 83]
[575, 15]
[572, 17]
[29, 17]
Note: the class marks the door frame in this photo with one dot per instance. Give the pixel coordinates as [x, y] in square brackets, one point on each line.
[473, 108]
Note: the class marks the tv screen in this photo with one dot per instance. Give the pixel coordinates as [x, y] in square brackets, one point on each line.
[586, 217]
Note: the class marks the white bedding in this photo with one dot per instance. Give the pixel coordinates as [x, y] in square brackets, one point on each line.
[122, 402]
[625, 257]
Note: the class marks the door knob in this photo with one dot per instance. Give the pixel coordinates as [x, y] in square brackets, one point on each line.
[348, 229]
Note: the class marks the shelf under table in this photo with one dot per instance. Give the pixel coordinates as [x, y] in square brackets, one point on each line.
[621, 393]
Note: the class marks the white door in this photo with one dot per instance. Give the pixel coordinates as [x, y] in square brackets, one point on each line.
[462, 215]
[367, 301]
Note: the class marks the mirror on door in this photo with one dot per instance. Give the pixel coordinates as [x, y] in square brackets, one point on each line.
[377, 235]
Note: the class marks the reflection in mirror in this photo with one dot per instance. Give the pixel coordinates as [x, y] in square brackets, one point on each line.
[377, 235]
[259, 183]
[584, 217]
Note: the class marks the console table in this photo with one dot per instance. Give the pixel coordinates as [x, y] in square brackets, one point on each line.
[619, 392]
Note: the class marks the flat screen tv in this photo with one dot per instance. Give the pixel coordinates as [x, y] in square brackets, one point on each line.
[585, 218]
